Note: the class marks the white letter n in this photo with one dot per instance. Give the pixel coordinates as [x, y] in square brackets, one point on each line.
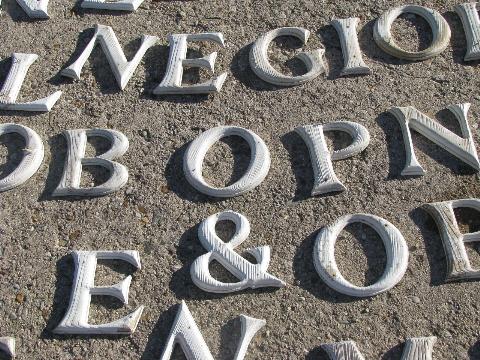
[460, 147]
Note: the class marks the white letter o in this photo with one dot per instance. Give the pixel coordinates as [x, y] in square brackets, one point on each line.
[255, 174]
[395, 246]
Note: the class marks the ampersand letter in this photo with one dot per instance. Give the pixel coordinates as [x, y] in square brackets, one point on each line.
[250, 275]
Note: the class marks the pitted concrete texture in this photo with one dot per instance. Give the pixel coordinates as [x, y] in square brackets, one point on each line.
[158, 213]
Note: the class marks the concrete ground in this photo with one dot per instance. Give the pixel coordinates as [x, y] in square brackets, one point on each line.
[158, 213]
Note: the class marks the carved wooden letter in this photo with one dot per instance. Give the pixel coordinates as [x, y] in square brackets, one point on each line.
[177, 60]
[250, 275]
[77, 141]
[125, 5]
[471, 24]
[75, 320]
[186, 333]
[256, 172]
[461, 147]
[7, 345]
[352, 55]
[415, 349]
[35, 8]
[458, 265]
[440, 29]
[261, 66]
[13, 83]
[121, 67]
[32, 156]
[325, 179]
[395, 246]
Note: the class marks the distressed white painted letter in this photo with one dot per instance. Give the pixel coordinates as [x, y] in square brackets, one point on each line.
[250, 275]
[352, 55]
[256, 172]
[458, 265]
[32, 156]
[185, 332]
[121, 67]
[471, 24]
[35, 8]
[325, 179]
[414, 349]
[76, 142]
[261, 66]
[460, 147]
[395, 246]
[13, 83]
[75, 320]
[177, 60]
[7, 345]
[125, 5]
[440, 30]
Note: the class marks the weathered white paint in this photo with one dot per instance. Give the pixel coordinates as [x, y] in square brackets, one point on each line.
[352, 55]
[13, 83]
[261, 65]
[461, 147]
[458, 264]
[121, 67]
[471, 24]
[185, 333]
[77, 141]
[414, 349]
[385, 40]
[172, 81]
[120, 5]
[255, 174]
[313, 135]
[250, 275]
[395, 246]
[32, 156]
[37, 9]
[7, 345]
[75, 320]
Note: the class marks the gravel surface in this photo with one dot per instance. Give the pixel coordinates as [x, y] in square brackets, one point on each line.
[157, 212]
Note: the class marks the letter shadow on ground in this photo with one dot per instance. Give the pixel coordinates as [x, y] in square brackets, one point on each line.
[458, 40]
[396, 147]
[58, 155]
[98, 63]
[65, 270]
[300, 163]
[318, 353]
[307, 277]
[15, 11]
[15, 145]
[188, 250]
[333, 52]
[474, 351]
[433, 243]
[229, 333]
[83, 39]
[175, 175]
